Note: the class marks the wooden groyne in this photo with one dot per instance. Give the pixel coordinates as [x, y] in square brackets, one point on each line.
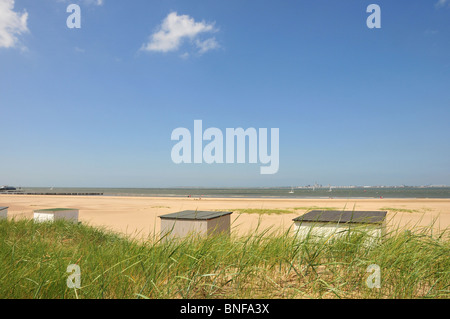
[54, 194]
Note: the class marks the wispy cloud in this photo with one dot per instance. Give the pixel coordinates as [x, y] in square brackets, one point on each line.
[79, 50]
[12, 24]
[175, 29]
[185, 55]
[206, 45]
[431, 32]
[442, 3]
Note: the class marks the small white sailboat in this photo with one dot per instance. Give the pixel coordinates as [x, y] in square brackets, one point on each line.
[292, 190]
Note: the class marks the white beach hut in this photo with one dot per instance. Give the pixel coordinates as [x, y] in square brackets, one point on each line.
[3, 212]
[327, 224]
[182, 224]
[52, 214]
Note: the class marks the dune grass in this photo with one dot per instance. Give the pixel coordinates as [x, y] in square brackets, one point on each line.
[316, 208]
[263, 211]
[266, 264]
[399, 210]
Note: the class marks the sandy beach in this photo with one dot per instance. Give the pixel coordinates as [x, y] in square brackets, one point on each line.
[138, 216]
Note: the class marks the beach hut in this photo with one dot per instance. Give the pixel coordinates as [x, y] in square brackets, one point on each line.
[3, 212]
[181, 224]
[326, 224]
[52, 214]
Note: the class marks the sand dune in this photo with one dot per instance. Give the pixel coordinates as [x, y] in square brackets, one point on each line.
[138, 216]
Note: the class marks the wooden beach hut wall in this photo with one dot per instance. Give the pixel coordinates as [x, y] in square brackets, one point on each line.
[53, 214]
[3, 212]
[185, 223]
[327, 224]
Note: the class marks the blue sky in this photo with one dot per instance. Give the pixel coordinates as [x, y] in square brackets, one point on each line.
[95, 107]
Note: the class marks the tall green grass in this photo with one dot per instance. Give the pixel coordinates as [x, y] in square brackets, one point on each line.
[264, 264]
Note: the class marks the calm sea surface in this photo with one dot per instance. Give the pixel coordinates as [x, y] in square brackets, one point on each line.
[406, 192]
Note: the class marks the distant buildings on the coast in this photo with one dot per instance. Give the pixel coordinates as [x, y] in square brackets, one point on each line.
[320, 186]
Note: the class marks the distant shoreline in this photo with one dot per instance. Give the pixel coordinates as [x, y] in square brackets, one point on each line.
[216, 196]
[261, 193]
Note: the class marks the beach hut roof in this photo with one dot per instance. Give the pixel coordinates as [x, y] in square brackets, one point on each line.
[195, 215]
[54, 209]
[3, 208]
[334, 216]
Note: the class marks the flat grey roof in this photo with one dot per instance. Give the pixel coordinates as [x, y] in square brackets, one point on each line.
[195, 215]
[3, 208]
[54, 210]
[335, 216]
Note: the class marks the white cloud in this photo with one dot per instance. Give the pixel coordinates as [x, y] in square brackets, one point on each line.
[177, 28]
[12, 24]
[442, 3]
